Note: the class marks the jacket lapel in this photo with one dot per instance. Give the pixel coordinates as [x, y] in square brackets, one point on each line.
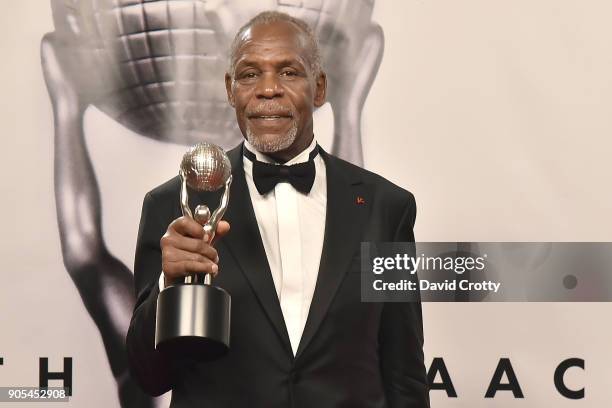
[345, 215]
[343, 229]
[245, 244]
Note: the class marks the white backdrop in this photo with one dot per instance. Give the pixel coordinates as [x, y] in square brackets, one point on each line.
[495, 114]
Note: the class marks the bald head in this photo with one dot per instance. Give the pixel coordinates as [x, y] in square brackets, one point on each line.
[307, 38]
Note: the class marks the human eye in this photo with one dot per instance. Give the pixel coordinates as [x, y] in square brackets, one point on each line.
[247, 75]
[290, 73]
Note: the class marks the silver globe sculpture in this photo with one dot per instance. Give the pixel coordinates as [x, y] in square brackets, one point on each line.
[206, 167]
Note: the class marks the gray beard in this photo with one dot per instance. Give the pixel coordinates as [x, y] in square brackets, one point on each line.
[272, 146]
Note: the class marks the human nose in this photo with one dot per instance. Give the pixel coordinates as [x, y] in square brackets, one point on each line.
[268, 87]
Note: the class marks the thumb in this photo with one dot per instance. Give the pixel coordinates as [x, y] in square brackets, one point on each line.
[223, 228]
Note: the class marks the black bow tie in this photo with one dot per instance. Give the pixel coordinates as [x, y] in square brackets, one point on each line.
[266, 175]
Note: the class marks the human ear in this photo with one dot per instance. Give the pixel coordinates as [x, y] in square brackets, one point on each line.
[320, 89]
[228, 89]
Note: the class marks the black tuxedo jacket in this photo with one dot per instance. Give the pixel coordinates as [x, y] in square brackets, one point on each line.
[351, 354]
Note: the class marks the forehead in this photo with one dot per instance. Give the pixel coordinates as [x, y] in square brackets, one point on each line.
[280, 39]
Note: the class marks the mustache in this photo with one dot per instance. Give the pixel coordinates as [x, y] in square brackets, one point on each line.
[269, 108]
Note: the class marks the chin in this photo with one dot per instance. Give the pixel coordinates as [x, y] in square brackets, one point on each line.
[271, 142]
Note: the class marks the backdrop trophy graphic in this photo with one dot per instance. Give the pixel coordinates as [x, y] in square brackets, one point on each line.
[193, 317]
[156, 67]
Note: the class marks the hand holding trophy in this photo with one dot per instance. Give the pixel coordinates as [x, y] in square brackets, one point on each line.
[193, 316]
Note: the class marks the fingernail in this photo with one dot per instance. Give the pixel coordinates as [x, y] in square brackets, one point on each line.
[206, 237]
[215, 269]
[217, 259]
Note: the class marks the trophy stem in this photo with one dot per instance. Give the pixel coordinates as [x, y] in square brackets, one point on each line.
[196, 278]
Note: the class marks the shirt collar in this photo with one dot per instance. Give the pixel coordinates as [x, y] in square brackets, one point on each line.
[300, 158]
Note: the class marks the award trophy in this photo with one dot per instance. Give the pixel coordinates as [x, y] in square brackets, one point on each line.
[193, 316]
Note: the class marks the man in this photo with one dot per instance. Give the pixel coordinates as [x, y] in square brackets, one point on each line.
[300, 336]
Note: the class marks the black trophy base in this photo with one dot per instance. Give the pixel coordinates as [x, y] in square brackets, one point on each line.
[193, 322]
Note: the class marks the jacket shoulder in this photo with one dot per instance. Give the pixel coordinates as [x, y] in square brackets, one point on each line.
[393, 205]
[162, 202]
[168, 189]
[377, 183]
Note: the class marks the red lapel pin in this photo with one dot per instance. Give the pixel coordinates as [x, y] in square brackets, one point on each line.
[360, 200]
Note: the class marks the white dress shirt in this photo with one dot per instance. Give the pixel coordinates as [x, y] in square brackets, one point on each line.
[292, 226]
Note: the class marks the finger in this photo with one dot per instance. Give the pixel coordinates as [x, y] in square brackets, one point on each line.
[188, 227]
[177, 255]
[189, 267]
[222, 228]
[192, 245]
[182, 268]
